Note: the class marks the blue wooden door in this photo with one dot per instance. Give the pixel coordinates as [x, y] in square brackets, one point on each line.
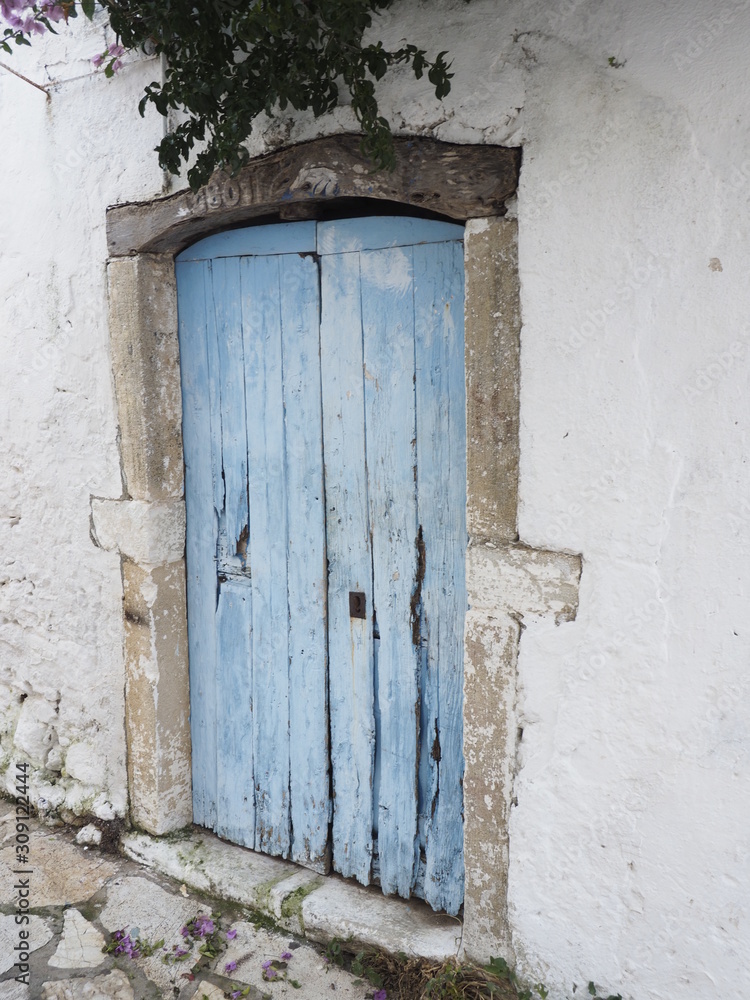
[324, 436]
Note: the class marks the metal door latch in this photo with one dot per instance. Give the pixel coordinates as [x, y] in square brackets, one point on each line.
[356, 604]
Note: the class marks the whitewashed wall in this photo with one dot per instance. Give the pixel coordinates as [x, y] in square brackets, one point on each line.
[630, 843]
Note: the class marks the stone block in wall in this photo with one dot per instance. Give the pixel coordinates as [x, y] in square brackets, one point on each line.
[146, 368]
[493, 339]
[157, 695]
[36, 731]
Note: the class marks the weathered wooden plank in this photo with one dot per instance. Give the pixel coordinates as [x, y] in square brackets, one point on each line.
[350, 567]
[459, 181]
[256, 241]
[307, 572]
[233, 518]
[267, 550]
[441, 483]
[235, 786]
[390, 430]
[381, 231]
[193, 282]
[214, 404]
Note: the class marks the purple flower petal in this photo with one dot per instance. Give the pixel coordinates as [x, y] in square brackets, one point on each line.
[231, 935]
[378, 995]
[266, 964]
[286, 955]
[53, 11]
[230, 966]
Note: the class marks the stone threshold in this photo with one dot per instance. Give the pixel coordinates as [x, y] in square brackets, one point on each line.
[318, 907]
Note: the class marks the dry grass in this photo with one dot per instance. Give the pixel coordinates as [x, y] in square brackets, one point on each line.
[407, 978]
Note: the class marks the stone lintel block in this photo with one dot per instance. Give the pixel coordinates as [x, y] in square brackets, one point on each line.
[146, 533]
[157, 696]
[493, 332]
[521, 581]
[146, 367]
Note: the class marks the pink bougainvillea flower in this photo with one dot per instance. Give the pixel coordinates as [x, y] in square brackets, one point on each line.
[267, 964]
[117, 64]
[33, 27]
[97, 61]
[230, 967]
[53, 11]
[202, 925]
[231, 935]
[286, 955]
[115, 49]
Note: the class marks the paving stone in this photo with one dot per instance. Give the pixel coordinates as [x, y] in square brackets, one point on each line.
[139, 902]
[113, 986]
[207, 991]
[142, 904]
[39, 934]
[61, 872]
[14, 991]
[254, 945]
[81, 944]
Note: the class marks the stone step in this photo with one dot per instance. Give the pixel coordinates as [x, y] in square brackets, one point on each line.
[315, 906]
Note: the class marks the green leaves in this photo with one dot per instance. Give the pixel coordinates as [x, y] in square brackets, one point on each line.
[365, 971]
[88, 7]
[227, 63]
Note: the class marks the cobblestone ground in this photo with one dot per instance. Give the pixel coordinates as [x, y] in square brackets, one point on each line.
[79, 896]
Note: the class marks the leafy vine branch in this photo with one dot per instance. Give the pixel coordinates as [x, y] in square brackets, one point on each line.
[229, 61]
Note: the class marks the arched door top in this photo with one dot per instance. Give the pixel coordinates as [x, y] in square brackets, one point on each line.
[339, 236]
[456, 181]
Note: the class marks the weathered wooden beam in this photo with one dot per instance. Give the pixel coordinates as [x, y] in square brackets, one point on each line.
[458, 181]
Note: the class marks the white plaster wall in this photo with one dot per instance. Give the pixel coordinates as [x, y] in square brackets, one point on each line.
[631, 838]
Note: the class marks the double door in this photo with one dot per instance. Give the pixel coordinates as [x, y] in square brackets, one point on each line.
[324, 440]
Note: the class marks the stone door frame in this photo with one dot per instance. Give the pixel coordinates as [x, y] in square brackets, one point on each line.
[505, 579]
